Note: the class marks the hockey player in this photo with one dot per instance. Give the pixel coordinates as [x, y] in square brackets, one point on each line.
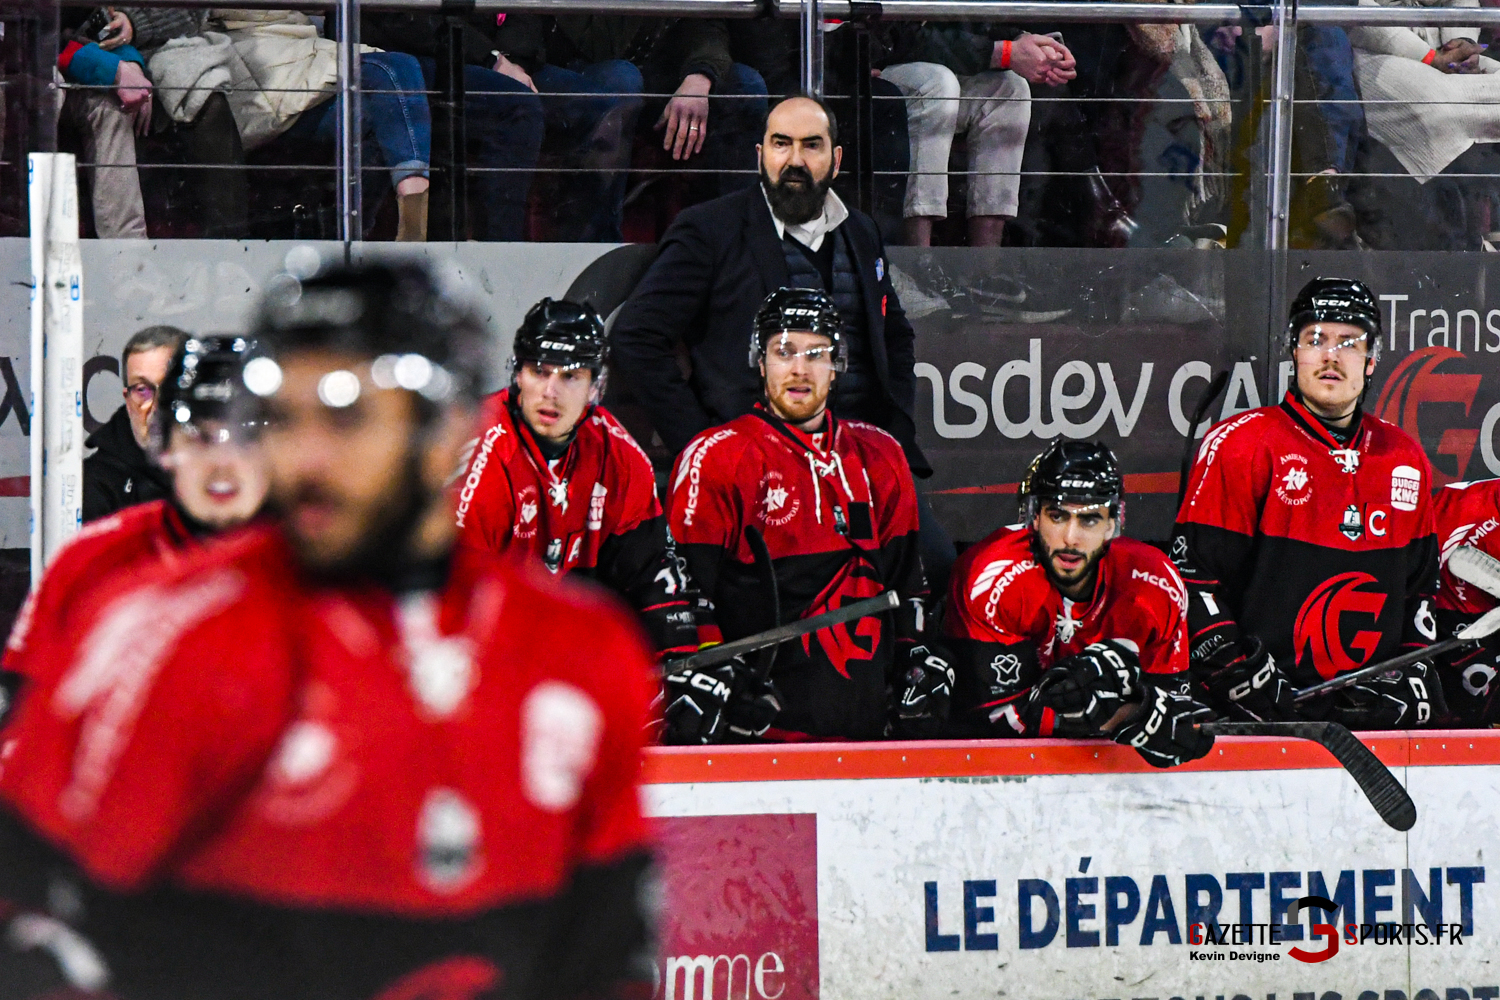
[338, 764]
[1060, 627]
[1306, 537]
[555, 477]
[832, 506]
[218, 482]
[1468, 514]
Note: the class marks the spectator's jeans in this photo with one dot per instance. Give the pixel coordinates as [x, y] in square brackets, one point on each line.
[591, 110]
[504, 123]
[394, 114]
[994, 108]
[108, 140]
[1325, 70]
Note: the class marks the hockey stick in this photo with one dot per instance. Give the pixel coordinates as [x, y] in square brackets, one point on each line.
[1380, 786]
[727, 651]
[1470, 635]
[1479, 568]
[1204, 402]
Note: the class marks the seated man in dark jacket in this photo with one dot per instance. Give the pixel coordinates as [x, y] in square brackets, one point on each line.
[719, 261]
[118, 474]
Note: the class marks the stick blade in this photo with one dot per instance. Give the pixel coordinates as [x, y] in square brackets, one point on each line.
[1374, 779]
[1380, 786]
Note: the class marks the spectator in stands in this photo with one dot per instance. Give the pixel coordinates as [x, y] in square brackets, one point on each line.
[718, 262]
[107, 121]
[1407, 73]
[119, 474]
[710, 122]
[972, 78]
[283, 81]
[503, 112]
[191, 120]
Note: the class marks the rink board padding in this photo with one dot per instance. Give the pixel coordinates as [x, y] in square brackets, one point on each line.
[1052, 870]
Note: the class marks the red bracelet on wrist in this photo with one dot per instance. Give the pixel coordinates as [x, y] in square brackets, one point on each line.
[1430, 56]
[1005, 55]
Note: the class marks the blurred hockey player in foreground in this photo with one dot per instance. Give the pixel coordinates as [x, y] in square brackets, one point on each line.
[337, 762]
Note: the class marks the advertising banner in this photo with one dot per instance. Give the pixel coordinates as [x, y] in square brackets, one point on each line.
[1041, 871]
[1013, 347]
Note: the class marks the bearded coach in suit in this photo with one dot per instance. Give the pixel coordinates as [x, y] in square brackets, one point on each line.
[720, 259]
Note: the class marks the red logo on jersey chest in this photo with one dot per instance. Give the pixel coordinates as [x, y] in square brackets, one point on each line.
[838, 642]
[1319, 623]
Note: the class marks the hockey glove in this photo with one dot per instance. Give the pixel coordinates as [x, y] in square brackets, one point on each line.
[696, 700]
[753, 707]
[1085, 691]
[1243, 681]
[923, 695]
[1165, 732]
[1399, 699]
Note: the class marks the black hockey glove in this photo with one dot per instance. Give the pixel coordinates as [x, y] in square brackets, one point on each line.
[923, 695]
[1243, 681]
[696, 701]
[1408, 698]
[1085, 691]
[753, 707]
[1165, 732]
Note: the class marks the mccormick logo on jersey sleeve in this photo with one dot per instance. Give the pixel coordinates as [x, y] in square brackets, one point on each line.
[690, 468]
[476, 473]
[1406, 487]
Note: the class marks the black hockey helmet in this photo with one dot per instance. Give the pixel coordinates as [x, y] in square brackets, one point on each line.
[1335, 300]
[204, 385]
[562, 333]
[405, 317]
[798, 310]
[1084, 472]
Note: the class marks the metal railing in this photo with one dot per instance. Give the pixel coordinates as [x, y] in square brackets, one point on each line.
[1284, 17]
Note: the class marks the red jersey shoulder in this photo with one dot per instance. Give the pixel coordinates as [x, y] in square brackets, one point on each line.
[607, 659]
[998, 582]
[1147, 571]
[714, 452]
[1238, 437]
[633, 458]
[1468, 514]
[875, 441]
[95, 552]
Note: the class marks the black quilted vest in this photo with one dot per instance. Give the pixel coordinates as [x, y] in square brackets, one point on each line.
[856, 392]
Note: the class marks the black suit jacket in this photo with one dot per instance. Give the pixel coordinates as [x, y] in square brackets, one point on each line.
[718, 262]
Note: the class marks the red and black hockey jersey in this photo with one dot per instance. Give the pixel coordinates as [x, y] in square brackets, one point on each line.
[1467, 514]
[146, 539]
[283, 789]
[1325, 552]
[1006, 623]
[592, 510]
[838, 512]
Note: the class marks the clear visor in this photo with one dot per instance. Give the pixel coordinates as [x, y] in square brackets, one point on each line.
[1032, 507]
[1316, 338]
[781, 350]
[342, 388]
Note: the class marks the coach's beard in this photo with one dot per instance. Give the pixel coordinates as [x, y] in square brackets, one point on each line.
[796, 203]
